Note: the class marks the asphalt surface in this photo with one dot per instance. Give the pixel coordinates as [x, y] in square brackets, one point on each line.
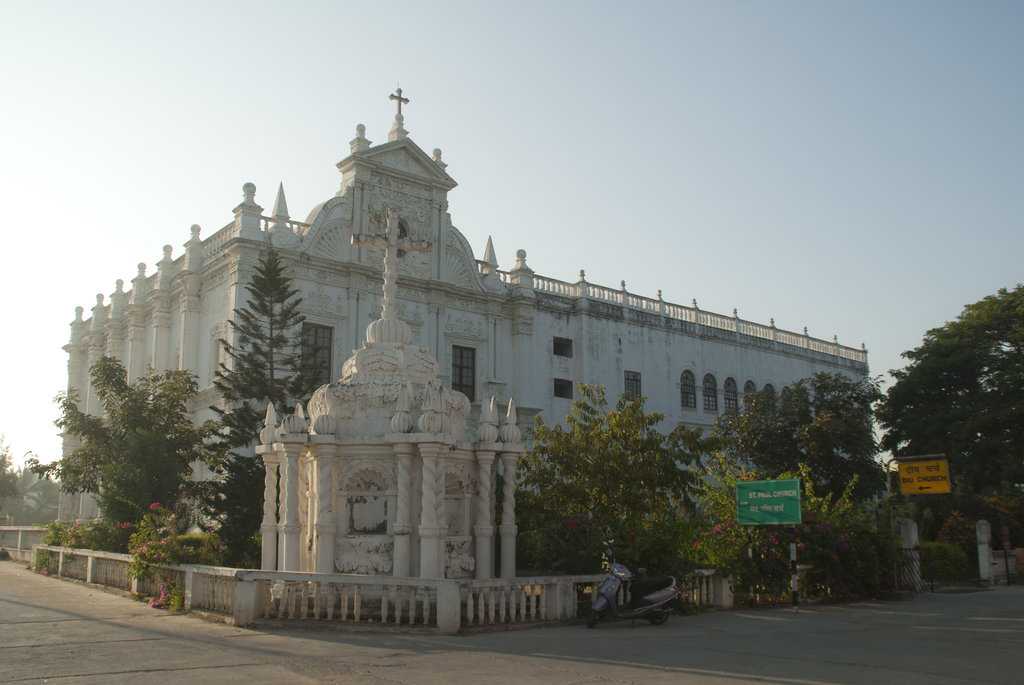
[62, 632]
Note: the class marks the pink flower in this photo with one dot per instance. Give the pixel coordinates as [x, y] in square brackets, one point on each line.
[155, 506]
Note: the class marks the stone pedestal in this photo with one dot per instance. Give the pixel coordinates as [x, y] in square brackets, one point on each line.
[402, 544]
[508, 529]
[483, 531]
[289, 531]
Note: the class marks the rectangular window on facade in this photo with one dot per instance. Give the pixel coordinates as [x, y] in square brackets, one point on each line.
[563, 388]
[632, 379]
[464, 371]
[563, 347]
[317, 342]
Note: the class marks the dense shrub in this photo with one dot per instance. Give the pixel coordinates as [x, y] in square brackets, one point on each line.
[943, 562]
[98, 534]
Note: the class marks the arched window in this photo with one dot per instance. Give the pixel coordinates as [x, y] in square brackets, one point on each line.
[749, 390]
[731, 396]
[688, 390]
[710, 393]
[769, 394]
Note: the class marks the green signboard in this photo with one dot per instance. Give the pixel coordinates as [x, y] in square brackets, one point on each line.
[768, 502]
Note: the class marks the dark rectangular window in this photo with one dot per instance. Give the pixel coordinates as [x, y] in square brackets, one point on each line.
[632, 379]
[464, 371]
[563, 388]
[563, 347]
[317, 342]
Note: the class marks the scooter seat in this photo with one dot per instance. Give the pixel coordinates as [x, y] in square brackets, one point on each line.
[645, 586]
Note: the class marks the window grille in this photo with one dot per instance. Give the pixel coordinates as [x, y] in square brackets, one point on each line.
[632, 382]
[688, 390]
[710, 393]
[464, 371]
[317, 343]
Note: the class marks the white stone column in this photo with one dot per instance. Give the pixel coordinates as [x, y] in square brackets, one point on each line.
[508, 529]
[324, 526]
[161, 326]
[288, 530]
[188, 312]
[268, 528]
[429, 529]
[483, 530]
[403, 527]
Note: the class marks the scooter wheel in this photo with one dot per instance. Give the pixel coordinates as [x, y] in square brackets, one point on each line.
[658, 618]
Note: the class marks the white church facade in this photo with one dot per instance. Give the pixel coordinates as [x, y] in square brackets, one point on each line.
[493, 331]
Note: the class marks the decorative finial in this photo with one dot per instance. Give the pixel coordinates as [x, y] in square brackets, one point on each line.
[194, 230]
[402, 422]
[659, 294]
[735, 313]
[805, 331]
[510, 433]
[78, 314]
[99, 299]
[583, 275]
[119, 285]
[521, 261]
[695, 303]
[437, 158]
[488, 430]
[398, 131]
[142, 269]
[835, 339]
[623, 284]
[864, 347]
[167, 251]
[490, 259]
[772, 321]
[280, 204]
[269, 431]
[296, 423]
[359, 143]
[249, 193]
[431, 420]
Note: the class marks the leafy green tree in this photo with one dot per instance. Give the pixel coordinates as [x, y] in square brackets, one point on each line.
[962, 395]
[266, 366]
[824, 422]
[608, 472]
[141, 450]
[9, 490]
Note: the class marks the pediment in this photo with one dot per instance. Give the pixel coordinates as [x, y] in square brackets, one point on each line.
[404, 157]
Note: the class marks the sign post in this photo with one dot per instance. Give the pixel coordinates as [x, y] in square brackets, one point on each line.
[924, 475]
[772, 503]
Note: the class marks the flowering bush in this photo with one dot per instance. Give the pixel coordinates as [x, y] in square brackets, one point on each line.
[157, 542]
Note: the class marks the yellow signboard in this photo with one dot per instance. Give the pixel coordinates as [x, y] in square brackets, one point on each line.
[928, 476]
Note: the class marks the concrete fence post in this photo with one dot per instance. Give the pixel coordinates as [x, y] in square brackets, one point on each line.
[243, 605]
[983, 534]
[90, 569]
[449, 607]
[60, 562]
[19, 541]
[187, 590]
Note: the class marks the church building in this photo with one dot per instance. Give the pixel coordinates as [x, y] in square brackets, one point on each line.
[495, 327]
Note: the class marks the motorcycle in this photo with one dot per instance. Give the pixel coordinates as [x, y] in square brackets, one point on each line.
[650, 598]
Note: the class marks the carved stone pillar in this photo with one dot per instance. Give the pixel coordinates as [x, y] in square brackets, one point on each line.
[323, 522]
[161, 327]
[187, 323]
[430, 530]
[289, 529]
[138, 358]
[403, 527]
[483, 531]
[268, 528]
[508, 529]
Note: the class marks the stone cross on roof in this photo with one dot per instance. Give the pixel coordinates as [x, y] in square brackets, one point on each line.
[396, 243]
[397, 96]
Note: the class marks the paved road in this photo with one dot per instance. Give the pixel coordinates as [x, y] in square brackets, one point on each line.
[61, 632]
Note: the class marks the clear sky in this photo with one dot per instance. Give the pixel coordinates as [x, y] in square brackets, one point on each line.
[852, 167]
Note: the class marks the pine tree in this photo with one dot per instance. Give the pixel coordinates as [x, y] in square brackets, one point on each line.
[266, 367]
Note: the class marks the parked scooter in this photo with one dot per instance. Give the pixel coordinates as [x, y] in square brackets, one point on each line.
[650, 598]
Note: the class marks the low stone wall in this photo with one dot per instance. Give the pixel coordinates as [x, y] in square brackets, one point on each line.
[20, 538]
